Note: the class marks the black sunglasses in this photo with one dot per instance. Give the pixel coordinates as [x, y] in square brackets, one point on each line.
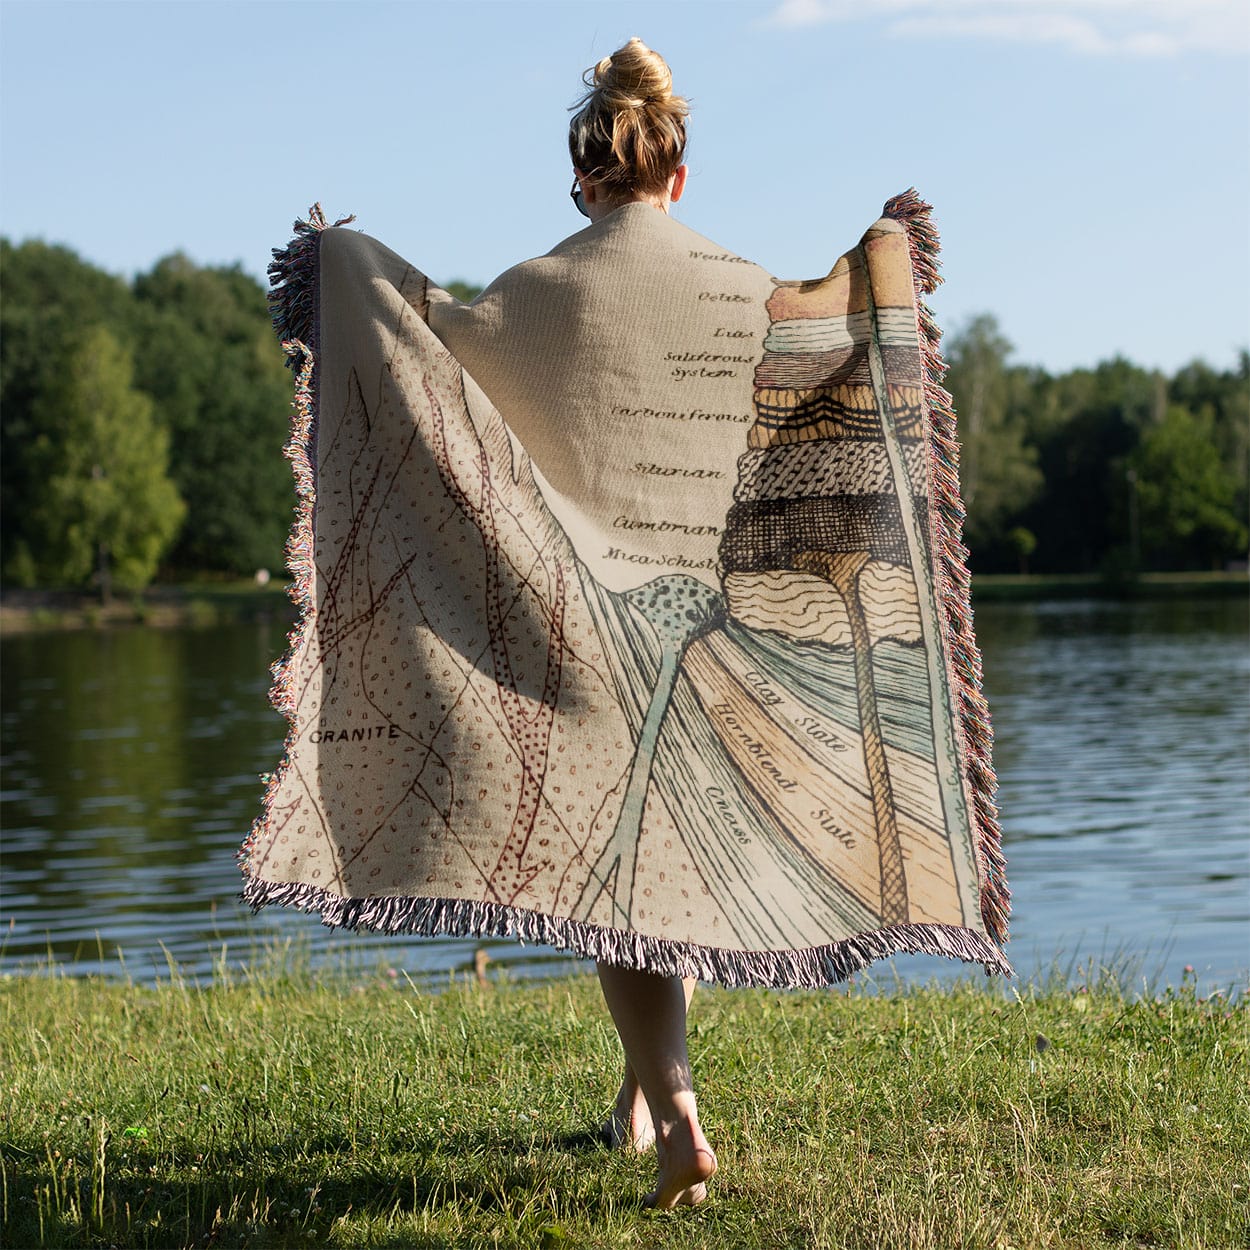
[576, 196]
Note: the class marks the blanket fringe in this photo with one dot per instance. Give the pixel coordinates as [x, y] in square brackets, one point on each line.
[953, 577]
[293, 304]
[812, 968]
[293, 280]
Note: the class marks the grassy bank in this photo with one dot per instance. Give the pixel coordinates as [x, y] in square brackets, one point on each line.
[290, 1111]
[190, 603]
[1001, 587]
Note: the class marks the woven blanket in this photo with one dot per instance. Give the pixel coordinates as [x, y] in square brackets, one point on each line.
[634, 615]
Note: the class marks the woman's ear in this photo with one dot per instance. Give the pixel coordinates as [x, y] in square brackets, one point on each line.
[678, 185]
[588, 186]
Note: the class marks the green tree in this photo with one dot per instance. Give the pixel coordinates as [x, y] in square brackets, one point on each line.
[51, 298]
[997, 466]
[1221, 397]
[105, 505]
[464, 291]
[1086, 425]
[1186, 495]
[1024, 543]
[208, 358]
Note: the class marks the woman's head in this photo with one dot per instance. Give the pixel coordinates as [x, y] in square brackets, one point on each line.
[629, 132]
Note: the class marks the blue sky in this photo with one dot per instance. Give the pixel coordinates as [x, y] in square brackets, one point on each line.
[1089, 160]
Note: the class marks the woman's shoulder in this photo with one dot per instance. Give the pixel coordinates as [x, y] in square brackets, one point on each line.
[645, 226]
[638, 235]
[636, 246]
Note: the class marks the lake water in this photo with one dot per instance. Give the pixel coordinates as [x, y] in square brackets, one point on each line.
[131, 760]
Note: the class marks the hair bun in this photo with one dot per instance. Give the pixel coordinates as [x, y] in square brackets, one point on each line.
[633, 77]
[629, 131]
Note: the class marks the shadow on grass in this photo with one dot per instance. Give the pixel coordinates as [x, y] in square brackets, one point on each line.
[275, 1195]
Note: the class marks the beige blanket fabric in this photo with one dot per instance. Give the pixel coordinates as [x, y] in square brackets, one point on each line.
[635, 617]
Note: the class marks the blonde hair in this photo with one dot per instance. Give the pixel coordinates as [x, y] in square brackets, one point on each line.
[629, 131]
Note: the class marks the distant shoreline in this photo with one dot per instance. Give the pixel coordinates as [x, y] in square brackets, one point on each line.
[177, 605]
[1005, 587]
[203, 604]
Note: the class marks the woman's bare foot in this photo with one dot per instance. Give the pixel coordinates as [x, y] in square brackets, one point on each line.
[649, 1011]
[686, 1165]
[629, 1125]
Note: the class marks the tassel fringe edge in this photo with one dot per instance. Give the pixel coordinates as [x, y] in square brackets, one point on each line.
[954, 583]
[293, 305]
[811, 968]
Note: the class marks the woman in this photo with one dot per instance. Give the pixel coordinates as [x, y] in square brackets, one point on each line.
[627, 141]
[635, 622]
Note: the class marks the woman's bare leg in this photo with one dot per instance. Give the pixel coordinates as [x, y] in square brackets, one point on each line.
[650, 1015]
[629, 1125]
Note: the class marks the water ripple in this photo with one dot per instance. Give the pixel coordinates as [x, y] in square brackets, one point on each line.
[131, 773]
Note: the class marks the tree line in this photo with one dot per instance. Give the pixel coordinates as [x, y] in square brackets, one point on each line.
[1115, 469]
[143, 423]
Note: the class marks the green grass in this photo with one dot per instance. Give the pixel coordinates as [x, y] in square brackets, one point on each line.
[300, 1110]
